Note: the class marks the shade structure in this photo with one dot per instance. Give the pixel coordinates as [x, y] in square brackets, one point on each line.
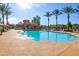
[3, 25]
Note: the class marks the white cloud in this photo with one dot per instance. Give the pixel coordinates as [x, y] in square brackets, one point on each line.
[25, 5]
[13, 20]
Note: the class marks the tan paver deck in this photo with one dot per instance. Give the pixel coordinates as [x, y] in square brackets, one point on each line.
[11, 45]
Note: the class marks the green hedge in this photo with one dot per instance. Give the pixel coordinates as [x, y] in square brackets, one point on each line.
[1, 29]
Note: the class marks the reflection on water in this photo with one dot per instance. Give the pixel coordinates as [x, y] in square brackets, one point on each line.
[34, 34]
[50, 36]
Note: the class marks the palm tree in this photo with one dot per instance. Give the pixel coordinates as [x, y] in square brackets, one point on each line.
[36, 20]
[56, 12]
[68, 10]
[2, 11]
[48, 15]
[77, 9]
[7, 13]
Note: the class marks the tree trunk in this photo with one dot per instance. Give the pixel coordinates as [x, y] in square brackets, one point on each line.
[48, 23]
[3, 20]
[7, 20]
[56, 21]
[0, 20]
[68, 20]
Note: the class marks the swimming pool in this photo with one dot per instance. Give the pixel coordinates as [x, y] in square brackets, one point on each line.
[48, 35]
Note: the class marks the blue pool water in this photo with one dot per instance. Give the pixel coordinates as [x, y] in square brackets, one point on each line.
[50, 36]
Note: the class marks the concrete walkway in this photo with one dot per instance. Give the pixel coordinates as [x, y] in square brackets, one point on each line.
[10, 44]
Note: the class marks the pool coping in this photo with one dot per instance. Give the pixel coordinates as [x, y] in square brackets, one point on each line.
[71, 33]
[44, 45]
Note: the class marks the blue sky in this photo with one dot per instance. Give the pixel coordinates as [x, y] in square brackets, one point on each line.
[23, 11]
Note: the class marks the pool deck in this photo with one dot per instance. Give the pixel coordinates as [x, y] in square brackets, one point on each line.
[12, 45]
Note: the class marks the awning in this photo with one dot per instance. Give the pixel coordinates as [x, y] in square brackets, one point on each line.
[1, 25]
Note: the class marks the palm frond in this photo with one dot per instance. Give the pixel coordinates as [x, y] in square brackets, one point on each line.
[48, 14]
[56, 12]
[68, 10]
